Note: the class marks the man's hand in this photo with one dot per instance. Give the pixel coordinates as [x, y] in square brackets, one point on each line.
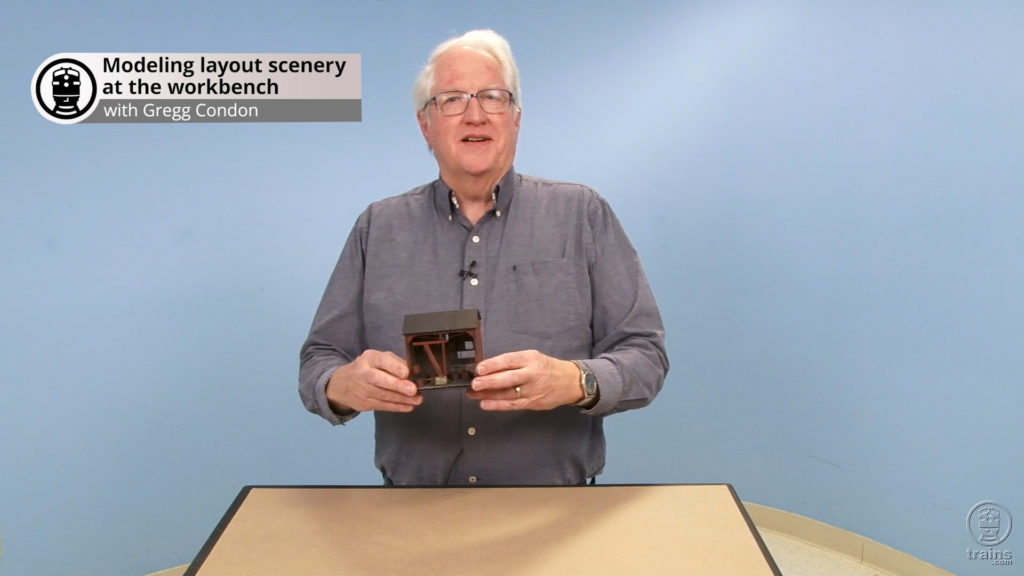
[374, 381]
[526, 380]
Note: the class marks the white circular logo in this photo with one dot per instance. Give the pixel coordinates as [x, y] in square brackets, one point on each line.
[989, 523]
[64, 90]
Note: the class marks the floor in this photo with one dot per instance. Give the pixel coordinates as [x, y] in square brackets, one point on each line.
[797, 558]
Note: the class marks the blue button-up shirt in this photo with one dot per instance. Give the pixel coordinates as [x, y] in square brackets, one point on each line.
[554, 271]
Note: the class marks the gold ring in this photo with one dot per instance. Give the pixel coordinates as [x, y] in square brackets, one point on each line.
[519, 392]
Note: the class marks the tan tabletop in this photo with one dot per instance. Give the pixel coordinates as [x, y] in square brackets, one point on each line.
[648, 530]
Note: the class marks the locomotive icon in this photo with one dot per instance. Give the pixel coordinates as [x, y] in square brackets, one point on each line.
[67, 88]
[64, 90]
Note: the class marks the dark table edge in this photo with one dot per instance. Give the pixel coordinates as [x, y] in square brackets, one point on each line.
[204, 552]
[753, 532]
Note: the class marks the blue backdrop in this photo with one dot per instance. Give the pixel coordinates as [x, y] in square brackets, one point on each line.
[827, 197]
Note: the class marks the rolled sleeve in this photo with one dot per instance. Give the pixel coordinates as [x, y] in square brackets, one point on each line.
[323, 406]
[335, 337]
[629, 357]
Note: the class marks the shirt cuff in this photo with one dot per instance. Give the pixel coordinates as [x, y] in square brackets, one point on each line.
[609, 385]
[325, 406]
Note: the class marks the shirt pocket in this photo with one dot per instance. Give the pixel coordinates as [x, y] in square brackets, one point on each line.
[551, 298]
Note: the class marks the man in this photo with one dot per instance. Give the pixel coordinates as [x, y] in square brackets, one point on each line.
[571, 332]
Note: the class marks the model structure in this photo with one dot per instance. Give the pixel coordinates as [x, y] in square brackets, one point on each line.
[443, 348]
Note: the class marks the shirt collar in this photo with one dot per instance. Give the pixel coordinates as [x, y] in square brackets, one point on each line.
[503, 193]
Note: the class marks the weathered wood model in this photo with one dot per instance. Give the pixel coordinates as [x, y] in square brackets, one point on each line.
[443, 348]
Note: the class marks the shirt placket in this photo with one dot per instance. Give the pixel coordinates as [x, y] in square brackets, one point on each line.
[475, 285]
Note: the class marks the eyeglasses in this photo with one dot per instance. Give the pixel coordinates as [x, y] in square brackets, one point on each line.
[455, 102]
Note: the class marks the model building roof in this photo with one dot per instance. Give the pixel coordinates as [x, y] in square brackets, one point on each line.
[441, 321]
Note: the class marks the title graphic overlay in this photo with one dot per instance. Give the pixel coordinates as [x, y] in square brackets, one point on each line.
[124, 88]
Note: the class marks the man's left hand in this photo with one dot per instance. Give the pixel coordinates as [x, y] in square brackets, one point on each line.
[526, 380]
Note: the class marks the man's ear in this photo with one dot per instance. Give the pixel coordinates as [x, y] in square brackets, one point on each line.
[424, 122]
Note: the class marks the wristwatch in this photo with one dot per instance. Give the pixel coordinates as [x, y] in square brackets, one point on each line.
[588, 382]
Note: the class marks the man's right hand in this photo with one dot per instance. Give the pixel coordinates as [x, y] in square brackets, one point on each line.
[374, 381]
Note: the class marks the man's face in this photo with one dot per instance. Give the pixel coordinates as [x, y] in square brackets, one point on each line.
[473, 143]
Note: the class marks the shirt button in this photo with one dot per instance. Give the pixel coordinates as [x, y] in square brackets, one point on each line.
[476, 239]
[471, 431]
[472, 479]
[474, 282]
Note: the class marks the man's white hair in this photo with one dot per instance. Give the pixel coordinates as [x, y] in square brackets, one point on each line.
[487, 41]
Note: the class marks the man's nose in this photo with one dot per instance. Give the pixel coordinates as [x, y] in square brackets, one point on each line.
[474, 113]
